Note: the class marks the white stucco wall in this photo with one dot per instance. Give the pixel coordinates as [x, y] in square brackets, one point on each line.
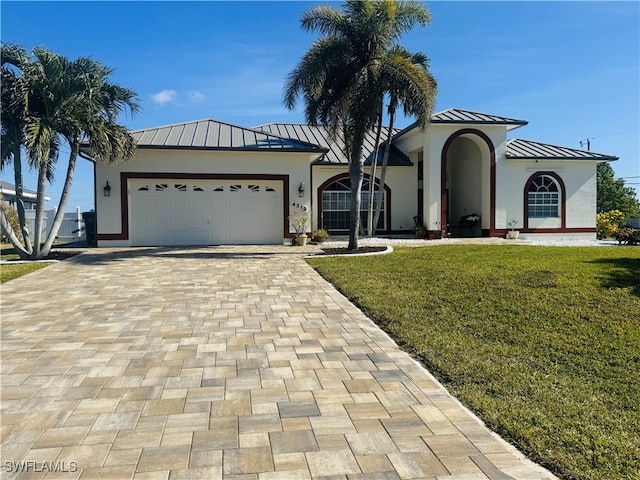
[402, 181]
[579, 179]
[432, 141]
[295, 165]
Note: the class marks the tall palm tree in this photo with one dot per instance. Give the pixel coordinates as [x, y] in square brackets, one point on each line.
[339, 77]
[406, 82]
[409, 84]
[13, 125]
[72, 102]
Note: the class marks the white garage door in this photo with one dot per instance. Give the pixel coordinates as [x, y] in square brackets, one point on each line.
[205, 212]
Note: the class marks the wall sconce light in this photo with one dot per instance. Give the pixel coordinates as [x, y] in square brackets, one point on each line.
[301, 190]
[107, 190]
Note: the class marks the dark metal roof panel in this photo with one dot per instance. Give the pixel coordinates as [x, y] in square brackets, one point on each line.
[320, 135]
[200, 133]
[456, 115]
[519, 149]
[211, 134]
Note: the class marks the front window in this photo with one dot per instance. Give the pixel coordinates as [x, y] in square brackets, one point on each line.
[543, 198]
[336, 202]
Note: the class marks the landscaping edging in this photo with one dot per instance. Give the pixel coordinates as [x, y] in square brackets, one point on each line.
[387, 249]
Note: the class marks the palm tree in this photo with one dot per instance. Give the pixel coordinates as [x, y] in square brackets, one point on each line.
[340, 75]
[406, 82]
[13, 125]
[72, 102]
[411, 85]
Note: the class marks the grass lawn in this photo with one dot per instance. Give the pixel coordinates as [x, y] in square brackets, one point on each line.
[542, 343]
[11, 271]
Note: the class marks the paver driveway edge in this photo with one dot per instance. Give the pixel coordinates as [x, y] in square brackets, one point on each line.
[223, 363]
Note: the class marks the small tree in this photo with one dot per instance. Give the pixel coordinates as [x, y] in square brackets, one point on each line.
[613, 194]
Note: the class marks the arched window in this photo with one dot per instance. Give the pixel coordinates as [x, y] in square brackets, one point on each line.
[336, 203]
[543, 197]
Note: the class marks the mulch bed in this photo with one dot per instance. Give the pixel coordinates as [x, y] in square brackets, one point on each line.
[345, 251]
[54, 255]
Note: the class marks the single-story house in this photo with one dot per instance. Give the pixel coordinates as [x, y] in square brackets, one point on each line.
[8, 192]
[208, 182]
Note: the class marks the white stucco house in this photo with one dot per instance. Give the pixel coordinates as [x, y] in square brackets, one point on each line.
[208, 182]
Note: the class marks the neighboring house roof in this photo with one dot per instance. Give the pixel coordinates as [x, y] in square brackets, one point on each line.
[7, 188]
[320, 135]
[529, 150]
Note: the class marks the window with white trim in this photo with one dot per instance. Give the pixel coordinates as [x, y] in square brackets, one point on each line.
[336, 204]
[543, 197]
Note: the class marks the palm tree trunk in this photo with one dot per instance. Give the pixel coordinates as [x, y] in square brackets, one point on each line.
[383, 170]
[15, 241]
[356, 174]
[19, 183]
[64, 200]
[372, 180]
[42, 185]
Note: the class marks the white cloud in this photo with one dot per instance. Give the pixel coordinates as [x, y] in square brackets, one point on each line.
[196, 97]
[165, 96]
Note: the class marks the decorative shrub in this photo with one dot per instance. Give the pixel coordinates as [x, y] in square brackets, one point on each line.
[608, 223]
[421, 231]
[628, 236]
[12, 217]
[320, 235]
[299, 222]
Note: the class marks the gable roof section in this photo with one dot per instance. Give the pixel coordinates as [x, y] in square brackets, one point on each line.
[334, 155]
[519, 149]
[215, 135]
[458, 116]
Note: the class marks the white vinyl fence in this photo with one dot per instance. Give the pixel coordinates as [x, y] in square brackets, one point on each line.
[71, 230]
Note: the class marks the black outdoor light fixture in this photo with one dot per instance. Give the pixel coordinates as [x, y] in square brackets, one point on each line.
[107, 189]
[301, 190]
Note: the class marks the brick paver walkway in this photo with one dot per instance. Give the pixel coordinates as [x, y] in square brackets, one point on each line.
[221, 362]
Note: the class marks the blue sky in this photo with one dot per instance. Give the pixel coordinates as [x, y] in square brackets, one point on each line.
[572, 69]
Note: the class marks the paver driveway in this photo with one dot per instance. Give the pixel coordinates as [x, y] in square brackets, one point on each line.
[220, 362]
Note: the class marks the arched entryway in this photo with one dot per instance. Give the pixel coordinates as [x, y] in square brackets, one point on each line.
[468, 182]
[334, 200]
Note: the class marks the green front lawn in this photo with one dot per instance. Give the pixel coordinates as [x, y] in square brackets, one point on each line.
[9, 271]
[542, 343]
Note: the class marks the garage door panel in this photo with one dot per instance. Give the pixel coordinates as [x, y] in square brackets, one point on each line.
[168, 212]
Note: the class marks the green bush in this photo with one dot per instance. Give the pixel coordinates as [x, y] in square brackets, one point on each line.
[608, 223]
[421, 231]
[12, 216]
[627, 236]
[320, 235]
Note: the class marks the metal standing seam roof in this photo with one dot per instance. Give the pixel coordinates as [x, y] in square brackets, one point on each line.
[456, 115]
[519, 149]
[467, 117]
[320, 135]
[213, 134]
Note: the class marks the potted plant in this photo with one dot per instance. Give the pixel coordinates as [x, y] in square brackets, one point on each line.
[319, 236]
[299, 222]
[513, 233]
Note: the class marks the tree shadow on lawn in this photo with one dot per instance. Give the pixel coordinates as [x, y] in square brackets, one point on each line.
[102, 257]
[622, 273]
